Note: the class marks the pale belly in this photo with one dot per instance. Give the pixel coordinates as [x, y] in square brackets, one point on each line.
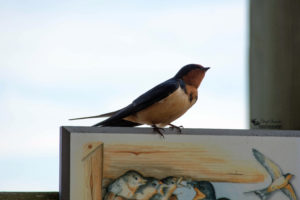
[165, 111]
[278, 184]
[126, 192]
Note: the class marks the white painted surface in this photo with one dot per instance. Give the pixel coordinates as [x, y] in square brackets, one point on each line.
[282, 150]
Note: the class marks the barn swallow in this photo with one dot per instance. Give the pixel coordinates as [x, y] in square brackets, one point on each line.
[125, 186]
[280, 181]
[204, 190]
[146, 191]
[169, 185]
[162, 104]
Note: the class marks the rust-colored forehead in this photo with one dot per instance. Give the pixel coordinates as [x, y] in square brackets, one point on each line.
[195, 72]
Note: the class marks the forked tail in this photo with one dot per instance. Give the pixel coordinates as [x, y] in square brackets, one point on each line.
[97, 116]
[262, 194]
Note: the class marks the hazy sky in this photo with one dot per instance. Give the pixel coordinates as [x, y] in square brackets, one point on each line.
[65, 59]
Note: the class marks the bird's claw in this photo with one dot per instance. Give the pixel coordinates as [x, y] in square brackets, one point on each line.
[178, 128]
[158, 130]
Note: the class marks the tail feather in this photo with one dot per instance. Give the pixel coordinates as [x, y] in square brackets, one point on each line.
[96, 116]
[262, 194]
[120, 123]
[116, 122]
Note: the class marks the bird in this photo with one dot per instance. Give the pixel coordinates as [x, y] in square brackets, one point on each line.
[204, 190]
[280, 181]
[162, 104]
[125, 186]
[169, 185]
[146, 191]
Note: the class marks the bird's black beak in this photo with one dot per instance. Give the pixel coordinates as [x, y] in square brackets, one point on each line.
[206, 68]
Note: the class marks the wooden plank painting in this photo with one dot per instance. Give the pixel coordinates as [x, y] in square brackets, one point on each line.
[137, 164]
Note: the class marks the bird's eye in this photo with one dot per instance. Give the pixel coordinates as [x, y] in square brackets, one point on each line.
[154, 184]
[135, 177]
[172, 182]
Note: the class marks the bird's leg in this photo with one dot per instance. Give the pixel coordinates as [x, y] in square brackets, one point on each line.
[172, 126]
[158, 130]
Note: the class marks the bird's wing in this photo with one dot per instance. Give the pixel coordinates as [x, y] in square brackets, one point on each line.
[115, 187]
[289, 191]
[152, 96]
[272, 168]
[97, 116]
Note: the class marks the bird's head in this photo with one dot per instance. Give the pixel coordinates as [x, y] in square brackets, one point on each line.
[133, 178]
[205, 187]
[171, 182]
[149, 189]
[288, 176]
[153, 183]
[192, 74]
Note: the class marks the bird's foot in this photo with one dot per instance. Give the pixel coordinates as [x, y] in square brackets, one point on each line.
[178, 128]
[158, 130]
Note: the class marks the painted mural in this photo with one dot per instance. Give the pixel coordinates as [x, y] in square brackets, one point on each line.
[133, 185]
[131, 167]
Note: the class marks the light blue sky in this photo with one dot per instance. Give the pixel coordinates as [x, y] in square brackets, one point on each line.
[65, 59]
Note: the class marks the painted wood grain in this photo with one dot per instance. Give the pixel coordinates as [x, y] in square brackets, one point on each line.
[179, 159]
[93, 165]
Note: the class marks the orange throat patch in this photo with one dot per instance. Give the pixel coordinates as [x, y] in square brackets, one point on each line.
[194, 77]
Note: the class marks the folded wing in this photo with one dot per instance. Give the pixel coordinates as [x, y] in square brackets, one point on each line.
[152, 96]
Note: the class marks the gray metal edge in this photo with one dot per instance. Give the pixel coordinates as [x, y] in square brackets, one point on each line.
[186, 131]
[64, 164]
